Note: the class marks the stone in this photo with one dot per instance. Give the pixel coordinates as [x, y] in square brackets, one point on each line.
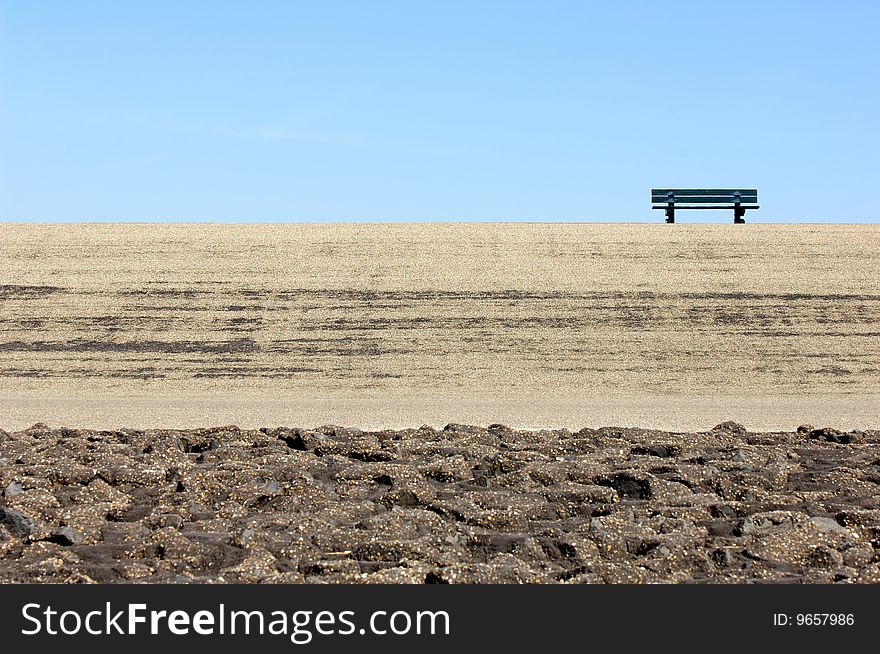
[826, 525]
[722, 557]
[171, 520]
[12, 489]
[293, 438]
[16, 523]
[462, 429]
[597, 528]
[825, 557]
[730, 427]
[762, 525]
[65, 536]
[629, 485]
[830, 435]
[655, 450]
[723, 511]
[408, 499]
[723, 528]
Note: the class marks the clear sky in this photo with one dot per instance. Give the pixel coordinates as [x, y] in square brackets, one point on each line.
[446, 110]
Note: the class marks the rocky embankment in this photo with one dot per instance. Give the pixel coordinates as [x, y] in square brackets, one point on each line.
[459, 505]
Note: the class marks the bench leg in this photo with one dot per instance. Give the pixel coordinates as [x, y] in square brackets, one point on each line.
[738, 215]
[670, 214]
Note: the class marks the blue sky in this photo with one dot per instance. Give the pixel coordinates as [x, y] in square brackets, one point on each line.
[272, 111]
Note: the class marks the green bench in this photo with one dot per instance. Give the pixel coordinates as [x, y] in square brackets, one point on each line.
[671, 199]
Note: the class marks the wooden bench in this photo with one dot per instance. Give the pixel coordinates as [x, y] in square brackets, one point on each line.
[671, 199]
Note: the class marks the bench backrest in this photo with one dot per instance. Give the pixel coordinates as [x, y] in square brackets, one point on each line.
[704, 195]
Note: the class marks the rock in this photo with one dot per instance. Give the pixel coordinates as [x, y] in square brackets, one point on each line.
[197, 443]
[723, 528]
[629, 485]
[655, 450]
[12, 489]
[723, 511]
[858, 556]
[17, 523]
[805, 429]
[435, 577]
[765, 524]
[171, 520]
[830, 435]
[462, 429]
[336, 431]
[826, 525]
[293, 438]
[722, 557]
[469, 504]
[65, 536]
[825, 557]
[730, 427]
[659, 450]
[597, 529]
[408, 500]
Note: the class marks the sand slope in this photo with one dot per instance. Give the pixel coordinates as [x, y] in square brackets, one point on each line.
[390, 325]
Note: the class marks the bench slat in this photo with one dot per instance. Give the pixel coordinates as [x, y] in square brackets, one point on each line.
[705, 199]
[704, 191]
[709, 206]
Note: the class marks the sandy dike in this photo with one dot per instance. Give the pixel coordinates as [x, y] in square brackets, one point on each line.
[395, 325]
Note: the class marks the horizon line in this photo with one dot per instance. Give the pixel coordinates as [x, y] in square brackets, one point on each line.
[344, 221]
